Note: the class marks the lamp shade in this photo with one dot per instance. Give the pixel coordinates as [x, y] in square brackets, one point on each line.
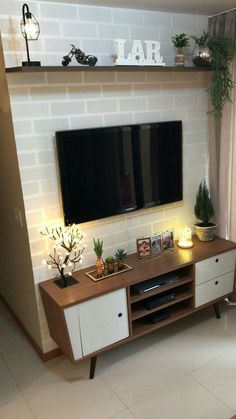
[30, 30]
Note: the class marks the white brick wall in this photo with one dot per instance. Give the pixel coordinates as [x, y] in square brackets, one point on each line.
[44, 103]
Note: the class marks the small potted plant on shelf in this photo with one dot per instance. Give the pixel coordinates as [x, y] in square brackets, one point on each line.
[67, 252]
[204, 211]
[110, 264]
[98, 249]
[201, 56]
[120, 256]
[180, 41]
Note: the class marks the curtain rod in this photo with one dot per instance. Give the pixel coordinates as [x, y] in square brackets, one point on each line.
[223, 13]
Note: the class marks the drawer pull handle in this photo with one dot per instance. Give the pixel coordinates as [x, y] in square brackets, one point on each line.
[120, 315]
[217, 260]
[216, 283]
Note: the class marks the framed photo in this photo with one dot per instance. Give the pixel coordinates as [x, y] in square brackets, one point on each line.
[144, 247]
[156, 244]
[167, 240]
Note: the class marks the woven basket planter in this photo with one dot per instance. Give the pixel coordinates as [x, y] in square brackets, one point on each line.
[205, 234]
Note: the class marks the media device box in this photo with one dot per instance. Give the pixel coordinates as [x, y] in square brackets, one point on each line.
[154, 283]
[159, 300]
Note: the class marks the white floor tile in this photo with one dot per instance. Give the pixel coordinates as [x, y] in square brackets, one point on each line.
[194, 347]
[8, 387]
[219, 377]
[31, 373]
[139, 373]
[125, 414]
[12, 339]
[225, 326]
[16, 409]
[81, 399]
[184, 399]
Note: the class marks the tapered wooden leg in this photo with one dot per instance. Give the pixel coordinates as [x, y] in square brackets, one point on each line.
[216, 310]
[92, 367]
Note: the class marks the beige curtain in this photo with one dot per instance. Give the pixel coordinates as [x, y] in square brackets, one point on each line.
[222, 145]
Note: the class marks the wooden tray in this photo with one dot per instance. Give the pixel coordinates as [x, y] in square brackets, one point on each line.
[93, 274]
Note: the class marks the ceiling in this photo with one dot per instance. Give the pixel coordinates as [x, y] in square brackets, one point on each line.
[205, 7]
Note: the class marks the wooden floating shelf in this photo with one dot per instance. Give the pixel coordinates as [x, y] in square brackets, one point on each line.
[129, 68]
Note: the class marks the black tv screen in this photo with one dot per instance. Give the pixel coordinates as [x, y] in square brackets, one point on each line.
[114, 170]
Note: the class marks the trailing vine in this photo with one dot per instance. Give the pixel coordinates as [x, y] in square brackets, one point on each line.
[221, 55]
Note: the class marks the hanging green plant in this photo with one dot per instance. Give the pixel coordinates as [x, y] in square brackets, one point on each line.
[221, 55]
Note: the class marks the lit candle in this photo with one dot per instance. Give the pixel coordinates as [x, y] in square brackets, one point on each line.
[185, 238]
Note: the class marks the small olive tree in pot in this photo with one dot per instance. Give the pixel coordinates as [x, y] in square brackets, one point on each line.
[204, 211]
[180, 41]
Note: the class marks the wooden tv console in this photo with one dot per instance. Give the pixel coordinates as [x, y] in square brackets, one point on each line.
[91, 317]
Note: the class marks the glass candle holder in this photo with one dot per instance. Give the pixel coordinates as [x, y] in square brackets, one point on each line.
[185, 238]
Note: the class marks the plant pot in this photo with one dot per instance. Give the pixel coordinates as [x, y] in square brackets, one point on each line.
[67, 282]
[179, 60]
[201, 57]
[110, 268]
[120, 264]
[205, 233]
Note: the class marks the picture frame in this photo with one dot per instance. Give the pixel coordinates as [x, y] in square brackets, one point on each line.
[144, 247]
[167, 240]
[156, 244]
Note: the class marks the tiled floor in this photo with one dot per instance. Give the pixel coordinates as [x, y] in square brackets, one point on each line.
[184, 371]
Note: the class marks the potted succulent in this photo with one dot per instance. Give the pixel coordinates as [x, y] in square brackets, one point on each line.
[110, 264]
[204, 211]
[201, 56]
[98, 249]
[180, 41]
[120, 256]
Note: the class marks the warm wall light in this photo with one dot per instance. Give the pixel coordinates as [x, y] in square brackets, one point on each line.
[185, 238]
[30, 31]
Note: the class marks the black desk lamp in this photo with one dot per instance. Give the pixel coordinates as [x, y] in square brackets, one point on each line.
[30, 31]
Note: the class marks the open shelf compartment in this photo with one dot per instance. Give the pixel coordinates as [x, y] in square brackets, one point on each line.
[179, 310]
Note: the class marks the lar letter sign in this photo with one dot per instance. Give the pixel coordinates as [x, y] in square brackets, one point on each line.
[137, 56]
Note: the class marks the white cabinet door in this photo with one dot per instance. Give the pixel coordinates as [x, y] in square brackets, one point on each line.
[103, 321]
[72, 321]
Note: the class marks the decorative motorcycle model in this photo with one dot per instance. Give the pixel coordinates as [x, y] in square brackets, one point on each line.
[80, 56]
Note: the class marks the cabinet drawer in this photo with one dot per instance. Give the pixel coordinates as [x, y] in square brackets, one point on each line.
[213, 289]
[215, 266]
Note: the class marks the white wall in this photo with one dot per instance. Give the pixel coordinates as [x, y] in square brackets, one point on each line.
[45, 102]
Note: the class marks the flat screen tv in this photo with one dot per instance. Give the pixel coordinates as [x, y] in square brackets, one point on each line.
[115, 170]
